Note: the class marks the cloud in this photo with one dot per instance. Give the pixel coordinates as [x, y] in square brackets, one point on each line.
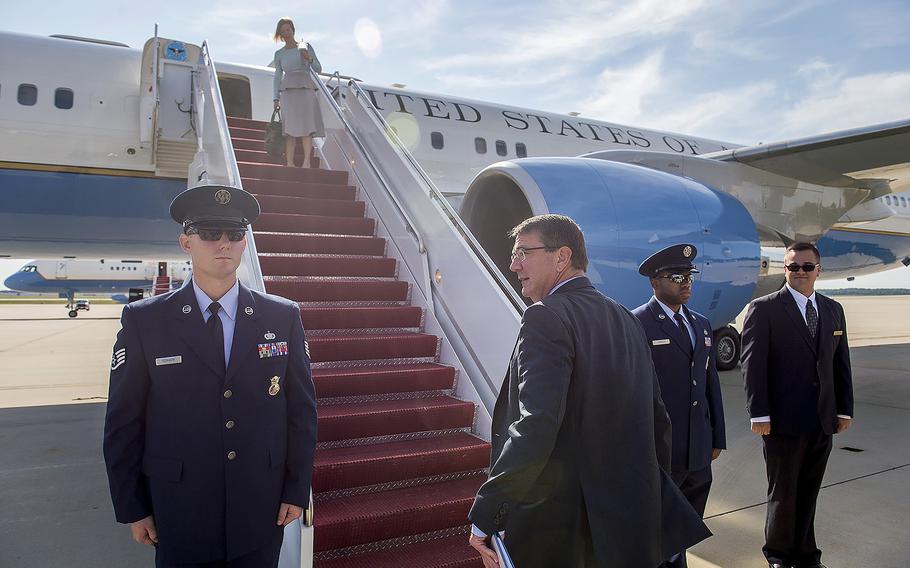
[557, 33]
[848, 103]
[619, 93]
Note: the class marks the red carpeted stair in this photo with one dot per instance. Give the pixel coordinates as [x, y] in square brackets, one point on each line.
[396, 467]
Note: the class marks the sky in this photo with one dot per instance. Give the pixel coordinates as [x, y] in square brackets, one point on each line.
[744, 72]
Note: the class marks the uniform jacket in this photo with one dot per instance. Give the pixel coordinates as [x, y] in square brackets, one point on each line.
[798, 381]
[689, 384]
[575, 459]
[170, 425]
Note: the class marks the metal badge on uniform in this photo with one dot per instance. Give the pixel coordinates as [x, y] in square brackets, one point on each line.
[661, 342]
[707, 341]
[269, 336]
[274, 349]
[838, 332]
[118, 359]
[187, 309]
[661, 316]
[274, 387]
[248, 311]
[174, 360]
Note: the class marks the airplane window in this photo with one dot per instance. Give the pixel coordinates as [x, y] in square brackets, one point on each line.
[903, 202]
[436, 140]
[501, 148]
[63, 98]
[521, 150]
[887, 200]
[28, 94]
[480, 144]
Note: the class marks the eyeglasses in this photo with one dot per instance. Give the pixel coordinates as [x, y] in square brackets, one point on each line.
[806, 266]
[233, 235]
[520, 254]
[679, 278]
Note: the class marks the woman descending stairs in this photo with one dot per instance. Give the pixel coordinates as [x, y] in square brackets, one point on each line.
[396, 466]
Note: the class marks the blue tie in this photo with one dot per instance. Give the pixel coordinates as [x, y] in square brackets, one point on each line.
[685, 332]
[216, 332]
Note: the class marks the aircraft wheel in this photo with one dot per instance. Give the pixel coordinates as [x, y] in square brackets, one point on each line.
[727, 346]
[73, 313]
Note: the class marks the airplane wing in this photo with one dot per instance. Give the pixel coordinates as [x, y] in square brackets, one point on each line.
[875, 157]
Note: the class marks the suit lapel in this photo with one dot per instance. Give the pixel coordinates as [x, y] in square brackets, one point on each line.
[185, 309]
[669, 327]
[246, 330]
[798, 322]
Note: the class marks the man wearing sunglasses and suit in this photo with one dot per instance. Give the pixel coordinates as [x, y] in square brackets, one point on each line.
[680, 341]
[799, 390]
[211, 418]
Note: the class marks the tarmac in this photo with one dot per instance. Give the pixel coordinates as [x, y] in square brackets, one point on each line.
[55, 508]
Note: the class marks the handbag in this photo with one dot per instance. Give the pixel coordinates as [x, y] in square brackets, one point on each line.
[274, 136]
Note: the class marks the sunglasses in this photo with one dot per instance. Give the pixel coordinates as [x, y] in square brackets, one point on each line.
[679, 278]
[806, 266]
[233, 235]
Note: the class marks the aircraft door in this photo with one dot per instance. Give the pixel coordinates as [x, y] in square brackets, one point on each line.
[60, 273]
[235, 93]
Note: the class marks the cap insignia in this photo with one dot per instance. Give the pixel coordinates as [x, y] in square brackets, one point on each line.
[222, 197]
[687, 251]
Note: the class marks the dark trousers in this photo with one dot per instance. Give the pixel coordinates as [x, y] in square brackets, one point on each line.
[796, 466]
[265, 557]
[695, 485]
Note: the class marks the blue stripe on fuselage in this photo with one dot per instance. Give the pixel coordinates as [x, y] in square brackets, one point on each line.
[58, 214]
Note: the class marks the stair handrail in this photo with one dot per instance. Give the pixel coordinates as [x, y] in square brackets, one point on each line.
[411, 226]
[250, 259]
[436, 194]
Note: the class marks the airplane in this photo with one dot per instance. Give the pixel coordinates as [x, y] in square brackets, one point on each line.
[67, 277]
[84, 172]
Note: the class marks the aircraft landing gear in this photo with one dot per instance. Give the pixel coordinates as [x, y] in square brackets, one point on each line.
[73, 313]
[727, 346]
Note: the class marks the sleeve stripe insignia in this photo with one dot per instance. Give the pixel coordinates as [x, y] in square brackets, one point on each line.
[118, 359]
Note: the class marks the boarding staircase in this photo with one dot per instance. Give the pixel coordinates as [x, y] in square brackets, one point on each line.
[396, 465]
[408, 322]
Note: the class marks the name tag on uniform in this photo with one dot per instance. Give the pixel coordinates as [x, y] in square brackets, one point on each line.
[839, 332]
[274, 349]
[168, 360]
[661, 342]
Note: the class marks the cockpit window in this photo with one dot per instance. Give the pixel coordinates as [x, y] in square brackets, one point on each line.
[29, 268]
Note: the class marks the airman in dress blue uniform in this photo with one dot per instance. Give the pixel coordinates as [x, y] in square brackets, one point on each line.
[211, 417]
[683, 357]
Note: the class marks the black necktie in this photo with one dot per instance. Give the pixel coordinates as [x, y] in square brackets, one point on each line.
[216, 331]
[684, 330]
[811, 318]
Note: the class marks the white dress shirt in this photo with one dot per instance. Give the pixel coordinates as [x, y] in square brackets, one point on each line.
[228, 313]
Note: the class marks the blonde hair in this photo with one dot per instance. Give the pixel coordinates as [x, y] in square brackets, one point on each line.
[276, 36]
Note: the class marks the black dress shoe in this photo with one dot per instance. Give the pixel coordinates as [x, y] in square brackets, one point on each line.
[773, 565]
[819, 565]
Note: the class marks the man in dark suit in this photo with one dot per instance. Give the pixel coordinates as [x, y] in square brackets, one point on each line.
[211, 418]
[799, 389]
[683, 357]
[580, 437]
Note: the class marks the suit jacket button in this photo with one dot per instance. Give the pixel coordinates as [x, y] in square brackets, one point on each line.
[695, 403]
[228, 393]
[229, 424]
[231, 455]
[694, 383]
